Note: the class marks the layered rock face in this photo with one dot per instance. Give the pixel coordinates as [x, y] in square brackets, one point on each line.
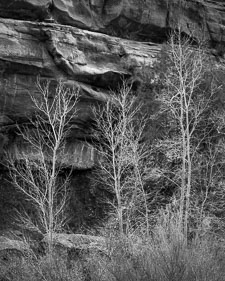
[90, 45]
[93, 63]
[79, 42]
[147, 19]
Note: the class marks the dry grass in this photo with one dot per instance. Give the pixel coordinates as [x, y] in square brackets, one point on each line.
[33, 269]
[162, 256]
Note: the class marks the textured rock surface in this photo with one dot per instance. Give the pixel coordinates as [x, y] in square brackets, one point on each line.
[77, 246]
[92, 62]
[12, 250]
[143, 19]
[77, 155]
[78, 241]
[9, 244]
[57, 39]
[51, 49]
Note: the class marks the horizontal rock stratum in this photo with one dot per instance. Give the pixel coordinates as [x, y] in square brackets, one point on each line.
[146, 19]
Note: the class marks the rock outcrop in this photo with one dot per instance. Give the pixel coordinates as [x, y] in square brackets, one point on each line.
[79, 242]
[142, 19]
[64, 39]
[92, 62]
[75, 247]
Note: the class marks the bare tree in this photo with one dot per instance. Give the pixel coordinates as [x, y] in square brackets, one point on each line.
[184, 103]
[37, 174]
[119, 127]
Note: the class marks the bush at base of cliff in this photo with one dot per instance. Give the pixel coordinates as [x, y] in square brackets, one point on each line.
[161, 256]
[38, 269]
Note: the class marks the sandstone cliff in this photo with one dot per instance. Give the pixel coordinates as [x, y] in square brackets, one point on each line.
[81, 43]
[148, 19]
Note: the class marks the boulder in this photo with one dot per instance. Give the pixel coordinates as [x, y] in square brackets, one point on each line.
[12, 249]
[77, 241]
[76, 246]
[10, 244]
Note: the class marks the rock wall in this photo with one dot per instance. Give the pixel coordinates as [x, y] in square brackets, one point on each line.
[147, 19]
[92, 62]
[81, 43]
[90, 45]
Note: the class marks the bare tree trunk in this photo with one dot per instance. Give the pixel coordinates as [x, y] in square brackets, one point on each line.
[37, 177]
[179, 100]
[183, 174]
[120, 151]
